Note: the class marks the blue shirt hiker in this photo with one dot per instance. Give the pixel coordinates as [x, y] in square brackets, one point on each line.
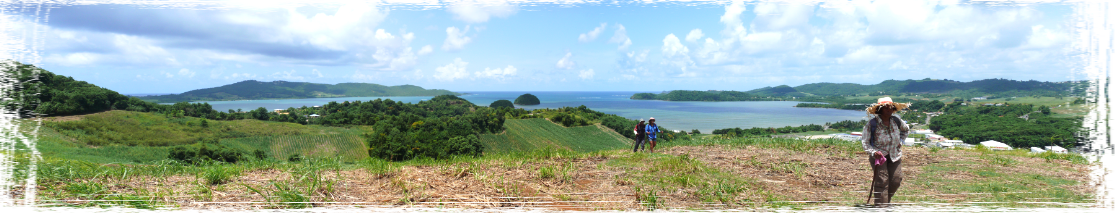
[652, 130]
[652, 134]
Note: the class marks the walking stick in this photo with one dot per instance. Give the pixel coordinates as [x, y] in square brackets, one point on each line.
[872, 191]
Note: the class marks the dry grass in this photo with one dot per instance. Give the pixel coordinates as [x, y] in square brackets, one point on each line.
[612, 180]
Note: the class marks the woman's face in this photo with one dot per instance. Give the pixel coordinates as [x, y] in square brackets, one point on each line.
[886, 110]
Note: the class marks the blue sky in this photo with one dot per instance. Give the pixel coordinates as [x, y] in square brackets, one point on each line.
[537, 46]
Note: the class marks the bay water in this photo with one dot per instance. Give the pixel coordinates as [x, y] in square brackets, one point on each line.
[674, 115]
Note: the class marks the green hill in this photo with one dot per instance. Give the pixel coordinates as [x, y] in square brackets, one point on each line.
[38, 91]
[986, 87]
[530, 134]
[256, 90]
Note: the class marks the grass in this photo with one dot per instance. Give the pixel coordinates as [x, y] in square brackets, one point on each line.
[51, 145]
[140, 128]
[538, 133]
[1094, 110]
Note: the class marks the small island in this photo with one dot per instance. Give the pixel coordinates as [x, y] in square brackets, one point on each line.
[527, 99]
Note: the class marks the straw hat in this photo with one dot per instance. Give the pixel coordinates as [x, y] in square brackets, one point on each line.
[886, 101]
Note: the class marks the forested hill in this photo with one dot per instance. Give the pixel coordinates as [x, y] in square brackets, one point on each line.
[988, 87]
[252, 89]
[30, 92]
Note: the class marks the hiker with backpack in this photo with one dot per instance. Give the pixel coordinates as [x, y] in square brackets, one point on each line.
[640, 135]
[882, 139]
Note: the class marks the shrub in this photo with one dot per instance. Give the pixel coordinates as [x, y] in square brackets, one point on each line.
[202, 152]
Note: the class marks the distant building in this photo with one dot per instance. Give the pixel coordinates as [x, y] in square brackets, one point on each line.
[980, 98]
[1056, 149]
[995, 145]
[278, 110]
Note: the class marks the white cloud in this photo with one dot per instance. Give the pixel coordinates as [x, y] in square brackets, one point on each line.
[318, 73]
[497, 73]
[694, 35]
[425, 50]
[73, 59]
[591, 35]
[241, 76]
[455, 39]
[357, 75]
[621, 38]
[186, 73]
[672, 47]
[587, 74]
[481, 11]
[771, 16]
[287, 76]
[566, 62]
[452, 71]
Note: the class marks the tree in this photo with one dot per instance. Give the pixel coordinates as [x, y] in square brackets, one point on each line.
[501, 103]
[527, 99]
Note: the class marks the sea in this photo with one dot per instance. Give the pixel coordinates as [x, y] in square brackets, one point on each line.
[674, 115]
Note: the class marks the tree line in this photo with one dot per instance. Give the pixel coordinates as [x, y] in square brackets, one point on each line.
[1017, 125]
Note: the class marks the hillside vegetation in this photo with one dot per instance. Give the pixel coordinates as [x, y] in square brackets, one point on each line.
[37, 91]
[256, 90]
[538, 133]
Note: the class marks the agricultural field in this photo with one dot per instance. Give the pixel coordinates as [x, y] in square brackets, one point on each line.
[537, 133]
[1052, 102]
[1094, 110]
[349, 147]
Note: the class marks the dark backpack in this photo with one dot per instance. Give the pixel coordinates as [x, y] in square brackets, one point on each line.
[874, 124]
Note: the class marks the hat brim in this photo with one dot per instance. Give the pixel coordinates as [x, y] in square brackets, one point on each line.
[897, 106]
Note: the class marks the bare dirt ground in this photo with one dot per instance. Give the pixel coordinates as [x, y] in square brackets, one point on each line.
[590, 183]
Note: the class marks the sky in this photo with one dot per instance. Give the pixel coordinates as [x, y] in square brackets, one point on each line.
[544, 46]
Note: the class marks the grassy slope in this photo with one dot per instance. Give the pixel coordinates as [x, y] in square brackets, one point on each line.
[121, 137]
[1095, 110]
[531, 134]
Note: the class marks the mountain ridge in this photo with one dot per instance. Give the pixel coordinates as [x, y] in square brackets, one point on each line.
[255, 90]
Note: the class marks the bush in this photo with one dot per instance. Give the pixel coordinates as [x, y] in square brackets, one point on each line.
[204, 152]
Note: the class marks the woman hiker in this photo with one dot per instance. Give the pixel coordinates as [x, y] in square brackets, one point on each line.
[640, 136]
[882, 139]
[652, 133]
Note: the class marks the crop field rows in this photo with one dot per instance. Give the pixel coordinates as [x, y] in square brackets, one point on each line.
[349, 147]
[531, 134]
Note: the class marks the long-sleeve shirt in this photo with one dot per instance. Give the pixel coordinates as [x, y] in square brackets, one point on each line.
[652, 131]
[890, 137]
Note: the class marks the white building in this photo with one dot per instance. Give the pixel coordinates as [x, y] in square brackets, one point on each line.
[1056, 149]
[1036, 150]
[995, 145]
